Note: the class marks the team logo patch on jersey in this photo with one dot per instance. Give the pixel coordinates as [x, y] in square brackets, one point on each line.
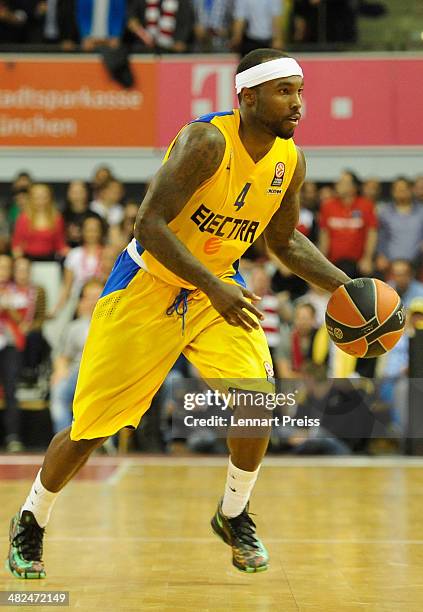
[279, 174]
[270, 374]
[212, 245]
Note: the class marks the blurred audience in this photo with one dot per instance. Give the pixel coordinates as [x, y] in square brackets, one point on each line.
[82, 263]
[30, 303]
[120, 235]
[212, 24]
[348, 228]
[269, 306]
[296, 344]
[19, 197]
[40, 230]
[108, 203]
[400, 227]
[161, 25]
[418, 190]
[76, 211]
[372, 190]
[257, 25]
[318, 298]
[109, 254]
[100, 24]
[102, 175]
[402, 279]
[90, 236]
[309, 200]
[13, 22]
[12, 343]
[66, 363]
[181, 26]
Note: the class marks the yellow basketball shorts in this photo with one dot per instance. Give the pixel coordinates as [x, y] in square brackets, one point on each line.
[133, 342]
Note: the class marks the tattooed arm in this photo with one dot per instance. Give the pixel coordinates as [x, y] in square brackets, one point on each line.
[195, 157]
[292, 247]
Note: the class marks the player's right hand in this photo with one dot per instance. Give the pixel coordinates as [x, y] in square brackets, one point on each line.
[230, 301]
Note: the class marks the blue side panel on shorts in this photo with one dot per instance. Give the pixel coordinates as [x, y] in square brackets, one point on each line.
[237, 277]
[211, 116]
[123, 272]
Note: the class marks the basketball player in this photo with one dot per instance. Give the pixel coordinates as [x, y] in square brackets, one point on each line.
[227, 178]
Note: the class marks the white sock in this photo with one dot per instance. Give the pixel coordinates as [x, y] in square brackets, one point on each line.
[239, 485]
[40, 501]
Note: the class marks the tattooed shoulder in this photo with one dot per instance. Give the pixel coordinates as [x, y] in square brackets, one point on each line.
[198, 151]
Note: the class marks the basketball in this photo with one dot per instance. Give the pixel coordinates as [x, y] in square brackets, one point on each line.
[365, 317]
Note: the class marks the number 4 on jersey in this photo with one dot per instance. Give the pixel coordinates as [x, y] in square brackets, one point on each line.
[240, 201]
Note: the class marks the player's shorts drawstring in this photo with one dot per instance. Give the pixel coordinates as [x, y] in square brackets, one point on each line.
[180, 306]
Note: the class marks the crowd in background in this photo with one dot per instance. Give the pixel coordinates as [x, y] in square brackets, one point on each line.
[181, 25]
[365, 228]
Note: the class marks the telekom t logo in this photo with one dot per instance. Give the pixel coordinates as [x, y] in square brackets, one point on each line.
[224, 89]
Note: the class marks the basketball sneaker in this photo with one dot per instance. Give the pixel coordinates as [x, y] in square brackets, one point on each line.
[26, 547]
[248, 552]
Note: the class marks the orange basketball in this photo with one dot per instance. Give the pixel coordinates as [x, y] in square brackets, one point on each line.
[365, 317]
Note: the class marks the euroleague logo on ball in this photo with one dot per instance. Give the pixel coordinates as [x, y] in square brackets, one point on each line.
[279, 174]
[338, 333]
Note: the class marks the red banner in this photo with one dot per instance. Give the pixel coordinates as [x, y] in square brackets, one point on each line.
[59, 103]
[72, 102]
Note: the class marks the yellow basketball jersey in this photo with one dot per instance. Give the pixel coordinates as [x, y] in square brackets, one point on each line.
[230, 210]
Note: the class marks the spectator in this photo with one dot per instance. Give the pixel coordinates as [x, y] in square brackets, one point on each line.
[296, 346]
[309, 200]
[403, 281]
[37, 13]
[20, 197]
[76, 211]
[318, 298]
[102, 175]
[372, 190]
[287, 285]
[326, 192]
[418, 189]
[82, 263]
[40, 232]
[12, 342]
[162, 25]
[66, 22]
[212, 23]
[269, 305]
[108, 203]
[310, 196]
[100, 24]
[338, 16]
[400, 227]
[120, 235]
[257, 25]
[66, 364]
[348, 228]
[31, 306]
[13, 22]
[108, 257]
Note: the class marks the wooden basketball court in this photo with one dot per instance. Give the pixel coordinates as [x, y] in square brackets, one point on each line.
[133, 534]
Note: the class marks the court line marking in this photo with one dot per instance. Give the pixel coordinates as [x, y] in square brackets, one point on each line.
[181, 540]
[38, 459]
[117, 475]
[211, 461]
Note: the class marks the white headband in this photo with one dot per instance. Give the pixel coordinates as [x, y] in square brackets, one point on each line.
[267, 71]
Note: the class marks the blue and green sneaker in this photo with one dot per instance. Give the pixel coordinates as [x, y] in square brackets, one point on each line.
[248, 552]
[26, 547]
